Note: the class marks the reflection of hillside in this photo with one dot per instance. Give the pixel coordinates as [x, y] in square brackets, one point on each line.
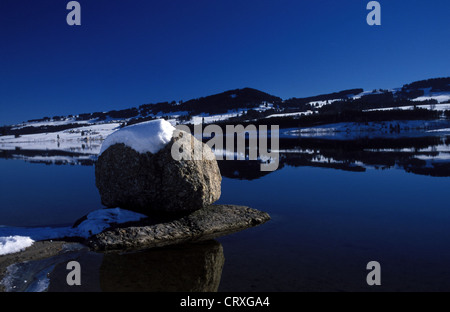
[436, 170]
[425, 156]
[318, 160]
[420, 155]
[242, 170]
[49, 157]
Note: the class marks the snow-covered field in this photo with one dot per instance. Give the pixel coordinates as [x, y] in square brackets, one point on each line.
[207, 118]
[66, 121]
[443, 99]
[440, 97]
[319, 104]
[305, 113]
[86, 140]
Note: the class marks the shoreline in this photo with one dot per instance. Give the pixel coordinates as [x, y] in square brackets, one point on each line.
[40, 250]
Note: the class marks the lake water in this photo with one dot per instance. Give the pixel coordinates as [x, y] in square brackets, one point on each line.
[335, 206]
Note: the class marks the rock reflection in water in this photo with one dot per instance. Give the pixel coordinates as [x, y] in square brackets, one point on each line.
[183, 268]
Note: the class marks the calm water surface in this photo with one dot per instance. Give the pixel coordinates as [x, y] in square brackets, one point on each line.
[327, 223]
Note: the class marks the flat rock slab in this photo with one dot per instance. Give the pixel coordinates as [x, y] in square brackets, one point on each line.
[204, 224]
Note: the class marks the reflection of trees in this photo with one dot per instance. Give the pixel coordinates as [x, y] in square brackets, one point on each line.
[49, 157]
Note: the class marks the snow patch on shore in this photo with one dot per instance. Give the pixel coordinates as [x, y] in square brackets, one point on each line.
[16, 239]
[12, 244]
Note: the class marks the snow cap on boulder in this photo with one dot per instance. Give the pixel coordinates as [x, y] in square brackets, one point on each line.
[149, 136]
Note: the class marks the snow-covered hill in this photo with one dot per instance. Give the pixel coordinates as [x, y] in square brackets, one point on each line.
[84, 133]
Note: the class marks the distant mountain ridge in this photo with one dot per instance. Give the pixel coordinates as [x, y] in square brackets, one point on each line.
[250, 104]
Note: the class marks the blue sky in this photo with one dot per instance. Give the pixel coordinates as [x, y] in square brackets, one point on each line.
[127, 53]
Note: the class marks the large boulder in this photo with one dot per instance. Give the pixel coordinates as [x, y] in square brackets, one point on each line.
[153, 181]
